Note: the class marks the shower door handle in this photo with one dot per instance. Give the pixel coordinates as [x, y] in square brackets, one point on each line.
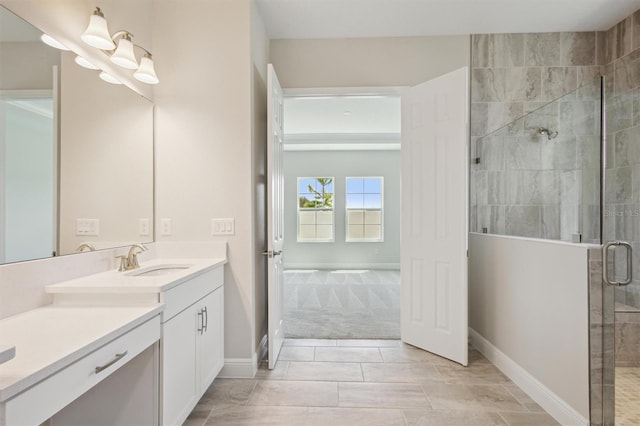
[605, 262]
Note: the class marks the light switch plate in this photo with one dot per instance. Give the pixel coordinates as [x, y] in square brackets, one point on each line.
[85, 226]
[223, 226]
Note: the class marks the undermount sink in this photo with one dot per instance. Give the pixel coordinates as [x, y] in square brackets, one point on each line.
[158, 270]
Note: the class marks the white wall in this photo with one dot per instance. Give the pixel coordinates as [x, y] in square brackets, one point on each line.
[27, 65]
[208, 130]
[358, 62]
[339, 165]
[529, 300]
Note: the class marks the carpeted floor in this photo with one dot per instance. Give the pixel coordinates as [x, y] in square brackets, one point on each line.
[351, 304]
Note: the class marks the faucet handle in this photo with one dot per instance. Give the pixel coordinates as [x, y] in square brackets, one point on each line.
[124, 263]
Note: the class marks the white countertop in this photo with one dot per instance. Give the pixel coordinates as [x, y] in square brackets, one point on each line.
[7, 353]
[114, 282]
[50, 338]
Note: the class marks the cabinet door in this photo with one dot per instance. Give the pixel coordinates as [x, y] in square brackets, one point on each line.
[211, 342]
[179, 385]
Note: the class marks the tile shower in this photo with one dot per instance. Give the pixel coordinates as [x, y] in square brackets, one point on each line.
[529, 181]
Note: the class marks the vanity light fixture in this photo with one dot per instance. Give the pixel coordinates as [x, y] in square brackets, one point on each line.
[105, 76]
[85, 63]
[50, 41]
[120, 49]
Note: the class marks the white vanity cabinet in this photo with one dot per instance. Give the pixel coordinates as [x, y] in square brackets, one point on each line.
[192, 344]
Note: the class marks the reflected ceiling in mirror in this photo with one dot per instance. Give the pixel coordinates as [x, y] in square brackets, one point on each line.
[76, 168]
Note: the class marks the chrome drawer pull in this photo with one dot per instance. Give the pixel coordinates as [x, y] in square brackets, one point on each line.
[110, 363]
[206, 319]
[201, 326]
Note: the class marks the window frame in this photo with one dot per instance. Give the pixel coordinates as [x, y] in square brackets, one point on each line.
[300, 209]
[346, 211]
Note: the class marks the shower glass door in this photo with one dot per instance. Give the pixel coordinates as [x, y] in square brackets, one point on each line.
[621, 226]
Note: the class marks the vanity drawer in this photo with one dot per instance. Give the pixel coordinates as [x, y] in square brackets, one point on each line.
[44, 399]
[186, 294]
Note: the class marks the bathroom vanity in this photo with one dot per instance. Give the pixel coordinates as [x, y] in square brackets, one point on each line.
[191, 325]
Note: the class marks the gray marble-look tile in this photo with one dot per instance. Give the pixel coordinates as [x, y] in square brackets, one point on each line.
[636, 107]
[601, 47]
[496, 184]
[506, 84]
[625, 73]
[278, 372]
[492, 218]
[524, 398]
[523, 221]
[295, 393]
[326, 371]
[618, 185]
[310, 342]
[480, 187]
[569, 221]
[479, 118]
[579, 118]
[522, 153]
[296, 353]
[383, 395]
[452, 418]
[560, 153]
[344, 354]
[627, 147]
[479, 373]
[501, 114]
[545, 117]
[497, 50]
[578, 48]
[635, 41]
[355, 417]
[529, 419]
[514, 187]
[620, 112]
[369, 343]
[249, 416]
[558, 82]
[551, 222]
[409, 353]
[491, 153]
[542, 49]
[588, 82]
[226, 392]
[471, 397]
[399, 372]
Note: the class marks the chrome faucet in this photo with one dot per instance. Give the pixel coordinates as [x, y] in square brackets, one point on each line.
[130, 261]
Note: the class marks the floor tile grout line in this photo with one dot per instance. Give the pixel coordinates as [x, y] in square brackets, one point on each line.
[515, 397]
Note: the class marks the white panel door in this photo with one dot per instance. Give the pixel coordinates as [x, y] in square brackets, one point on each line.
[434, 216]
[275, 215]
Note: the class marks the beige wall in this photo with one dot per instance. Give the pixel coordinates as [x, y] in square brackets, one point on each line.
[106, 159]
[362, 62]
[204, 147]
[259, 59]
[27, 65]
[529, 299]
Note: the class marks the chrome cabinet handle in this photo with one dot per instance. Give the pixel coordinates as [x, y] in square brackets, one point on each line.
[605, 263]
[206, 319]
[201, 321]
[117, 358]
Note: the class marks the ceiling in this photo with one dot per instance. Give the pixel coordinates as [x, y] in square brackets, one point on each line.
[397, 18]
[14, 29]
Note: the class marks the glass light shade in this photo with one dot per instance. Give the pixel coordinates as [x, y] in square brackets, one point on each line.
[97, 34]
[109, 78]
[124, 55]
[50, 41]
[84, 63]
[146, 72]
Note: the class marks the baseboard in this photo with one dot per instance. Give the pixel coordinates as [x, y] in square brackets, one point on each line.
[547, 399]
[334, 266]
[239, 368]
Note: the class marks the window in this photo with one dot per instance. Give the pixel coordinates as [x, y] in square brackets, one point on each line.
[315, 209]
[364, 209]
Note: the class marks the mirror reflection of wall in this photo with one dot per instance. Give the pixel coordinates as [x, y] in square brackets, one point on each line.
[76, 153]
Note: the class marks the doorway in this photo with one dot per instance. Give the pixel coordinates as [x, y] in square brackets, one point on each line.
[342, 214]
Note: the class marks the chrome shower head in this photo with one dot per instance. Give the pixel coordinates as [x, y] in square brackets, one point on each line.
[548, 133]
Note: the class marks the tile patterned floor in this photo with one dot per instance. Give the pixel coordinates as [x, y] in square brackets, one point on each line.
[342, 304]
[627, 396]
[368, 382]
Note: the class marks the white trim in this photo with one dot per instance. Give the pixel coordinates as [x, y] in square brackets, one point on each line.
[239, 368]
[349, 265]
[344, 91]
[342, 137]
[342, 147]
[541, 394]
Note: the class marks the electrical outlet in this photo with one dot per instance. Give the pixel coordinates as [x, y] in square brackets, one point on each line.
[87, 226]
[165, 226]
[143, 226]
[223, 227]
